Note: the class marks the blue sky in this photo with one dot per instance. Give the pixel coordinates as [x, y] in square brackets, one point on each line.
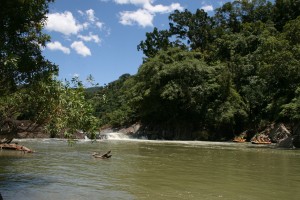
[100, 37]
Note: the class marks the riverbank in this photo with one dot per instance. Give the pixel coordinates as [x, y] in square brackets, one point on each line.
[283, 135]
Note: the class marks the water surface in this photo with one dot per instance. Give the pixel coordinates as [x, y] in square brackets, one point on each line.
[141, 169]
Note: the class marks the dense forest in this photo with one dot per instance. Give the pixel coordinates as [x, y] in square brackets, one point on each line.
[212, 77]
[205, 77]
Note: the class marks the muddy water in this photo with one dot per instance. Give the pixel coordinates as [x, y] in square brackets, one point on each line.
[141, 169]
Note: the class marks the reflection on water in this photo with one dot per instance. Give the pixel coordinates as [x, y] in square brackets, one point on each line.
[141, 169]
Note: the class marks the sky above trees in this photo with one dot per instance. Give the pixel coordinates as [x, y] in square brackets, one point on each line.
[100, 37]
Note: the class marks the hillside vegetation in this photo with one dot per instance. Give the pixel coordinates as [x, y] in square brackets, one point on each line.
[203, 77]
[212, 77]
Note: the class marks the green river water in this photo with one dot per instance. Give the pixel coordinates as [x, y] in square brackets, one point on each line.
[156, 170]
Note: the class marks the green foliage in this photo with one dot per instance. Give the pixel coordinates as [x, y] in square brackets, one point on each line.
[291, 111]
[58, 106]
[28, 89]
[178, 85]
[21, 60]
[72, 112]
[223, 74]
[154, 42]
[112, 102]
[194, 28]
[284, 11]
[216, 74]
[22, 65]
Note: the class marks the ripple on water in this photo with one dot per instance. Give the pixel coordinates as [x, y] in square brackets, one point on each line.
[149, 170]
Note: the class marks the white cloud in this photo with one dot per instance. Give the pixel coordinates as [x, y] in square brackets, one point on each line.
[91, 15]
[57, 46]
[207, 8]
[162, 9]
[91, 19]
[141, 17]
[90, 37]
[144, 16]
[64, 23]
[135, 2]
[72, 30]
[81, 49]
[75, 75]
[80, 12]
[99, 24]
[85, 25]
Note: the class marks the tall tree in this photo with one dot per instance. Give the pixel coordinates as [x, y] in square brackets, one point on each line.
[21, 39]
[177, 86]
[195, 28]
[28, 89]
[155, 41]
[285, 10]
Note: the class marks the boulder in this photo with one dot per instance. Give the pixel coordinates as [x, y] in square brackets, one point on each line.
[296, 129]
[296, 141]
[278, 132]
[286, 143]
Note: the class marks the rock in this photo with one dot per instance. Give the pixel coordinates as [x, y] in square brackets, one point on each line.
[129, 130]
[286, 143]
[278, 132]
[296, 141]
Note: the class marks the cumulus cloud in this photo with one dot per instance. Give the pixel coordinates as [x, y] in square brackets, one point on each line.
[141, 17]
[81, 49]
[90, 37]
[57, 46]
[162, 8]
[135, 2]
[144, 16]
[73, 29]
[207, 8]
[64, 23]
[91, 15]
[92, 19]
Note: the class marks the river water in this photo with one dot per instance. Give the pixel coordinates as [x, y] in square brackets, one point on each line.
[141, 169]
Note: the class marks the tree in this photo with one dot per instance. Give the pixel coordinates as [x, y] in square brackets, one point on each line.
[70, 111]
[228, 17]
[155, 41]
[291, 110]
[28, 89]
[21, 38]
[22, 64]
[112, 102]
[196, 28]
[187, 30]
[177, 87]
[284, 11]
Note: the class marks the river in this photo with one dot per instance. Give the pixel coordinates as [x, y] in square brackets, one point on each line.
[142, 169]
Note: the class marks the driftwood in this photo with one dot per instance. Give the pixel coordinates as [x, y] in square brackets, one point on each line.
[103, 156]
[16, 147]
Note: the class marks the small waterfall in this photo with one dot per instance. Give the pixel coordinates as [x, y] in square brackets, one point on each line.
[114, 136]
